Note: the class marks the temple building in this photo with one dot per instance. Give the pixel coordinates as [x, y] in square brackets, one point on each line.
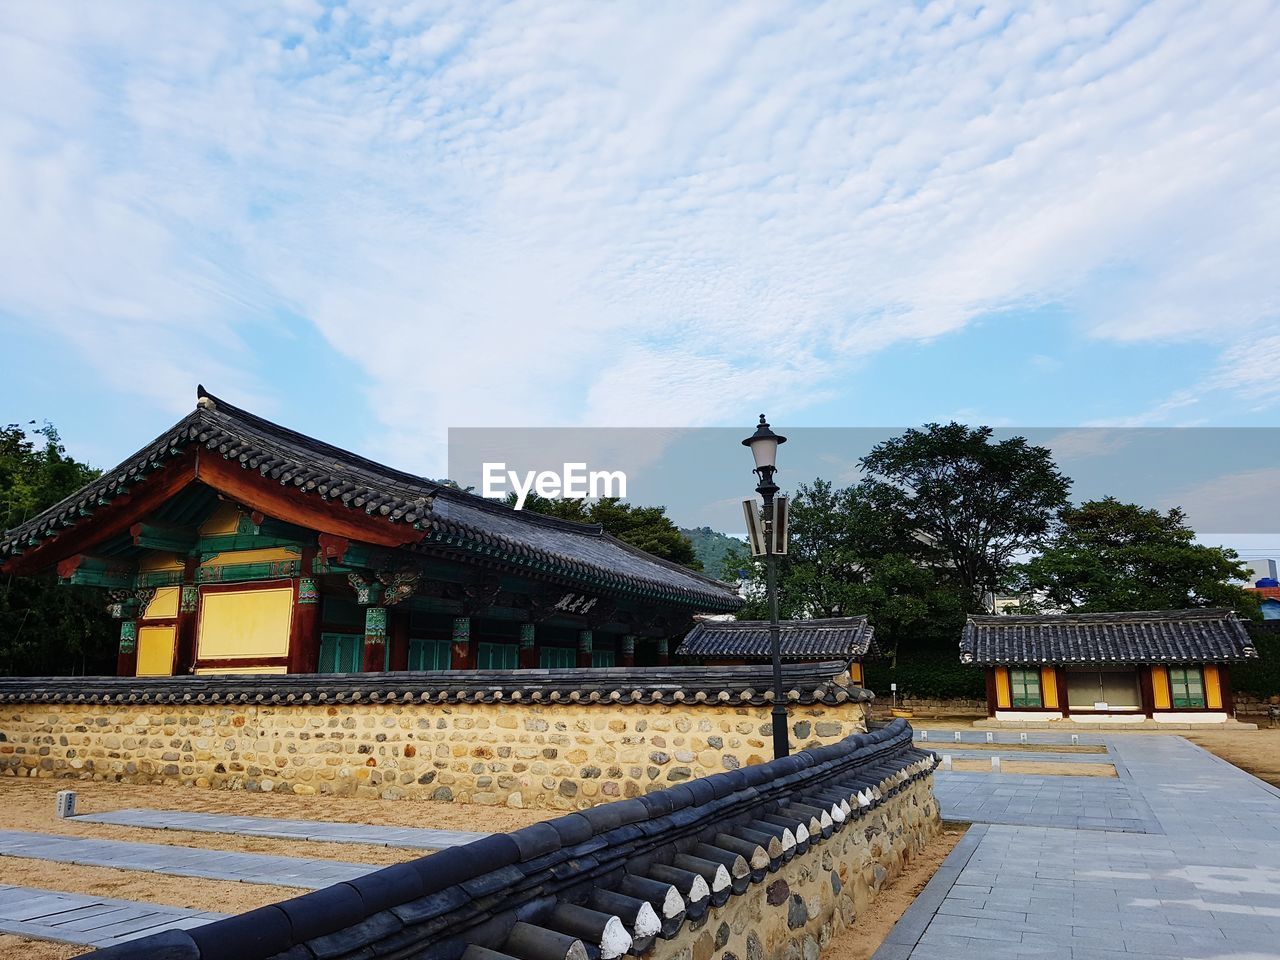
[233, 545]
[1163, 665]
[728, 642]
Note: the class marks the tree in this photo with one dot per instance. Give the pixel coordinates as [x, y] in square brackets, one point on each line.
[975, 504]
[46, 628]
[847, 557]
[1107, 555]
[648, 528]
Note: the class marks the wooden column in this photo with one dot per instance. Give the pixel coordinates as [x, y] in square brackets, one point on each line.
[464, 653]
[375, 638]
[991, 692]
[1224, 684]
[664, 652]
[125, 609]
[399, 639]
[528, 646]
[1146, 691]
[584, 648]
[127, 653]
[186, 628]
[629, 650]
[304, 639]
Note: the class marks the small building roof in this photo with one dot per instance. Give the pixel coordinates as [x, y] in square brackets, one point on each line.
[834, 638]
[1136, 636]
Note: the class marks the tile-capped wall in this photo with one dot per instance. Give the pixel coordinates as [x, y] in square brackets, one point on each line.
[558, 756]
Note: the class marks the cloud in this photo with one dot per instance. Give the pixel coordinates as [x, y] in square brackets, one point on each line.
[627, 214]
[1241, 503]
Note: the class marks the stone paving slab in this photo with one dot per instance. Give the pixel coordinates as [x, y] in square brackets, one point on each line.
[180, 861]
[1204, 882]
[413, 838]
[957, 751]
[1084, 803]
[86, 920]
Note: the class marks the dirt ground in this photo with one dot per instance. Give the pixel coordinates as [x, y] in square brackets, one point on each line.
[861, 940]
[20, 947]
[1045, 768]
[29, 804]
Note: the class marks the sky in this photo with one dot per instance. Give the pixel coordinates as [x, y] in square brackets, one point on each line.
[377, 221]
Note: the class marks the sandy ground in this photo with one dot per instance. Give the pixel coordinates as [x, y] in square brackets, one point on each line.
[28, 805]
[13, 948]
[861, 940]
[1037, 768]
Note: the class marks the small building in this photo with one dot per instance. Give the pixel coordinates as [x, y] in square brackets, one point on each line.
[1167, 665]
[233, 545]
[728, 642]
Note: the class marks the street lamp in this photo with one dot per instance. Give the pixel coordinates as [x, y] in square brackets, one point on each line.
[764, 448]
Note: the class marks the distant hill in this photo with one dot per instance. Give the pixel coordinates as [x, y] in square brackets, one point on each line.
[710, 546]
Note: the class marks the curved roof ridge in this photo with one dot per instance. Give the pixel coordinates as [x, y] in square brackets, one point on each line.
[302, 439]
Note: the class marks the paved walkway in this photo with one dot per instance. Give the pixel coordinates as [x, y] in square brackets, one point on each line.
[413, 838]
[1198, 875]
[180, 861]
[88, 921]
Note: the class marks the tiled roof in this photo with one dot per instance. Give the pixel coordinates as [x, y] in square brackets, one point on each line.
[836, 638]
[805, 684]
[443, 513]
[1139, 636]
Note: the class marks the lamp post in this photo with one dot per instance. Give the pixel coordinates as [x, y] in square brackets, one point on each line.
[764, 448]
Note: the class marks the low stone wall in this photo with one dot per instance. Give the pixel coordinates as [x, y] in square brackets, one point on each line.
[763, 863]
[563, 754]
[563, 757]
[933, 707]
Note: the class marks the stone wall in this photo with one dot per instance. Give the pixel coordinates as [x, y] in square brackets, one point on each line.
[565, 756]
[794, 913]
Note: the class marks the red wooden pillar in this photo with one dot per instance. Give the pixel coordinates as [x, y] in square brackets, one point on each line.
[127, 654]
[185, 629]
[1224, 685]
[584, 648]
[399, 650]
[629, 650]
[464, 653]
[528, 646]
[664, 652]
[304, 640]
[375, 639]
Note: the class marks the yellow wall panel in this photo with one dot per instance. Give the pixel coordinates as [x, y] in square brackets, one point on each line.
[222, 522]
[1049, 688]
[152, 562]
[1212, 687]
[155, 651]
[244, 623]
[1160, 688]
[207, 670]
[263, 555]
[164, 605]
[855, 673]
[1004, 699]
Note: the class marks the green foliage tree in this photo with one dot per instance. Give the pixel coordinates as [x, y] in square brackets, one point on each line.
[711, 547]
[847, 557]
[974, 504]
[1107, 555]
[648, 528]
[45, 628]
